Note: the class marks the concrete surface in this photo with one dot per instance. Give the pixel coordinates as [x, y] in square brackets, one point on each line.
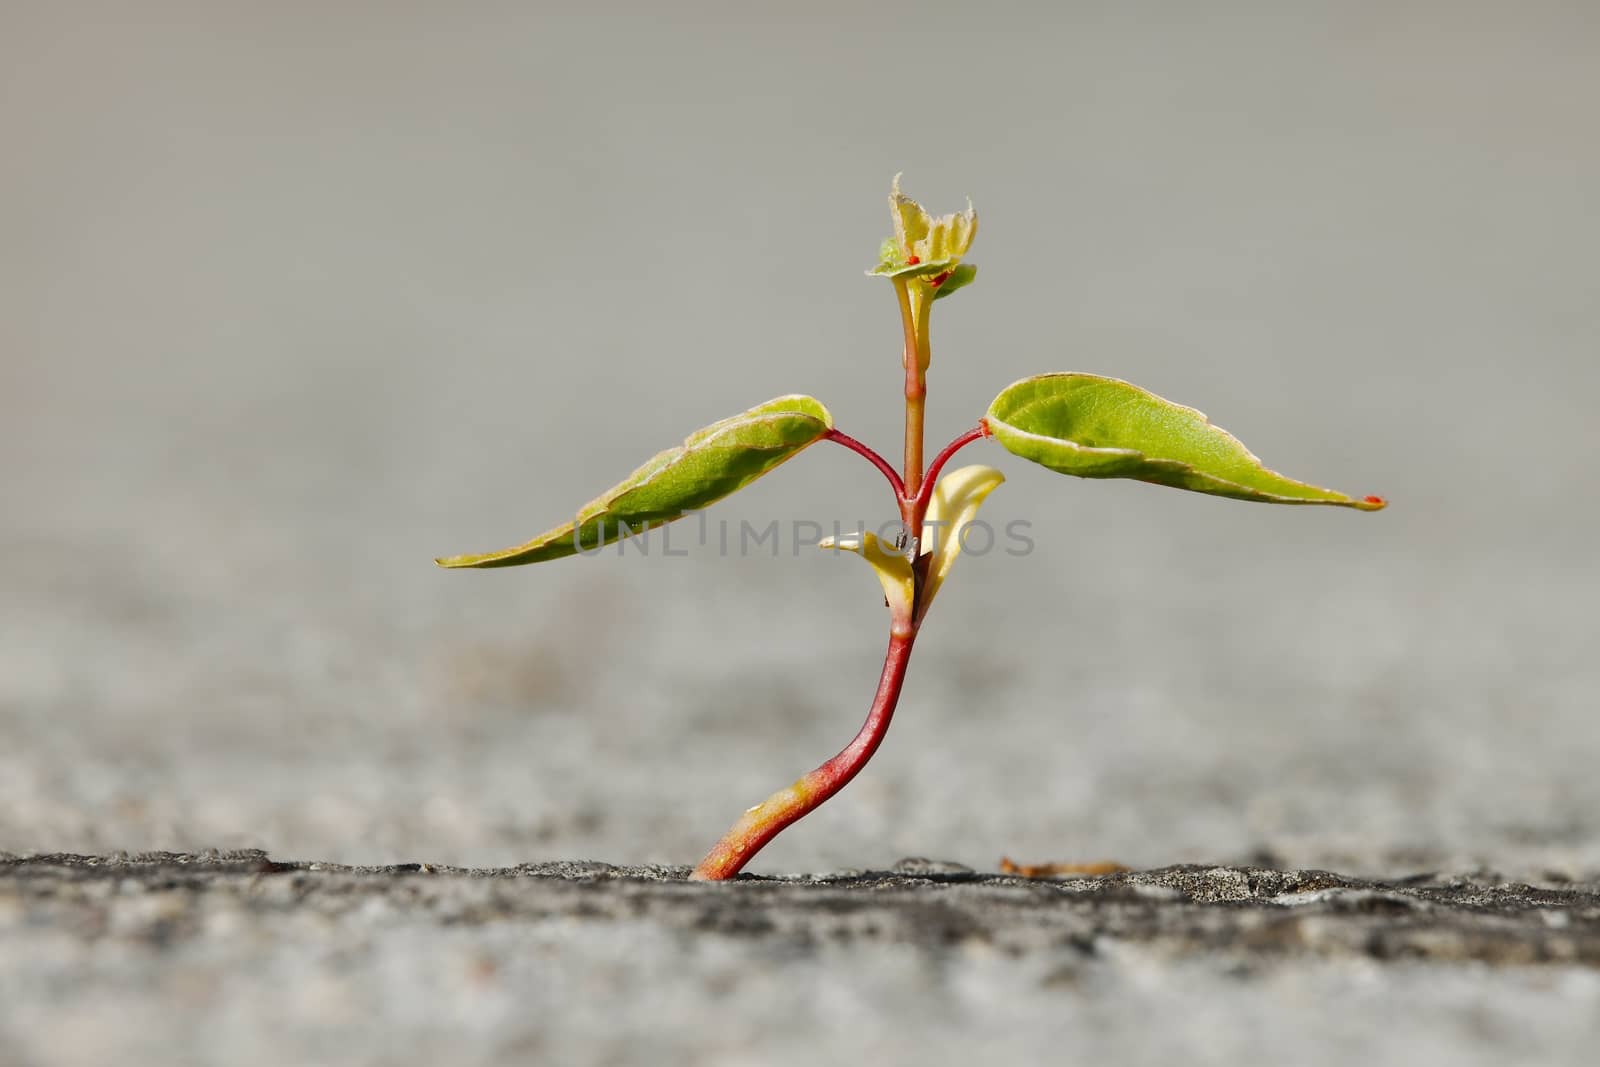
[294, 299]
[586, 962]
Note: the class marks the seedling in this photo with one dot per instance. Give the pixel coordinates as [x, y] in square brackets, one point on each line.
[1079, 424]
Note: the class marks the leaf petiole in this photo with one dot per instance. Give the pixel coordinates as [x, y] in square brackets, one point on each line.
[872, 457]
[930, 479]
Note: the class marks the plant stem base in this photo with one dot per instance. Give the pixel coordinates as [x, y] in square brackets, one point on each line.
[766, 820]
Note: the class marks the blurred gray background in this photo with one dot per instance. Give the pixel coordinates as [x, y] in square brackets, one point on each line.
[295, 297]
[294, 300]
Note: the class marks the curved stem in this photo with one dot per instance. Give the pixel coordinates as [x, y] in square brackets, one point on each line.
[766, 820]
[872, 456]
[932, 477]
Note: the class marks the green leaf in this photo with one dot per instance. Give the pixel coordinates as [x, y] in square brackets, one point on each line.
[892, 263]
[890, 269]
[963, 275]
[709, 465]
[1096, 427]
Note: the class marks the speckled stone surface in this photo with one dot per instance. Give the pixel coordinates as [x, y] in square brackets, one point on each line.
[238, 957]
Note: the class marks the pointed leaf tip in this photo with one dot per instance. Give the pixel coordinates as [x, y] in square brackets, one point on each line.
[1094, 427]
[955, 503]
[710, 464]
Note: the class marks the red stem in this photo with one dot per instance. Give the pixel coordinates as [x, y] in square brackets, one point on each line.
[932, 477]
[877, 461]
[766, 820]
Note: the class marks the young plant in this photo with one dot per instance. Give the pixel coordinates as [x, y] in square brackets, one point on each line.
[1079, 424]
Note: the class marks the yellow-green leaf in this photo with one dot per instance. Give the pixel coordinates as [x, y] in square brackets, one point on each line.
[1095, 427]
[955, 503]
[709, 465]
[924, 246]
[892, 568]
